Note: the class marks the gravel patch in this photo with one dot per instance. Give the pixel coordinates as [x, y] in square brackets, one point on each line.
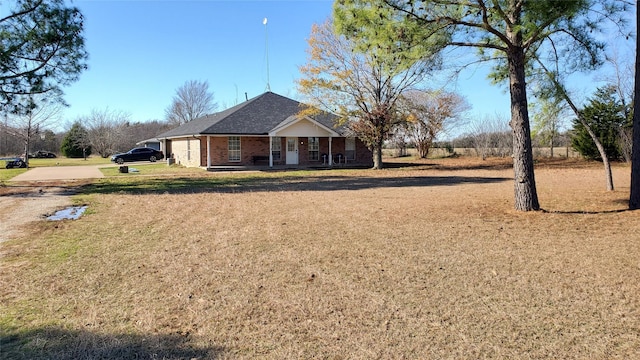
[17, 210]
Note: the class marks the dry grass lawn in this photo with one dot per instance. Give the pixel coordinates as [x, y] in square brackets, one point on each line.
[424, 262]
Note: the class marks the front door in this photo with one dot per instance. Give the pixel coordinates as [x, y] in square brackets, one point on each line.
[292, 151]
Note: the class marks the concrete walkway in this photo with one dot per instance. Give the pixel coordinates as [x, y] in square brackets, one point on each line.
[60, 173]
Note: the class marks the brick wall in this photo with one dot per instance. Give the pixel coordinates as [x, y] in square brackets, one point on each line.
[250, 146]
[186, 151]
[364, 155]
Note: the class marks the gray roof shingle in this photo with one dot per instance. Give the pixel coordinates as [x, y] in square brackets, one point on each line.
[257, 116]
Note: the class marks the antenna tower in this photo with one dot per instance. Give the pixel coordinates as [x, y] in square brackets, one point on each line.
[266, 47]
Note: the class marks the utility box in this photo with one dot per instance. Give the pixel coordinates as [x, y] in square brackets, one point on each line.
[123, 169]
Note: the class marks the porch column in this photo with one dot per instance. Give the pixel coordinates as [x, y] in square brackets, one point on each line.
[270, 151]
[208, 151]
[330, 156]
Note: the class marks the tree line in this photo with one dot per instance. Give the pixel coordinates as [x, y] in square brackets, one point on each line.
[607, 114]
[98, 136]
[101, 132]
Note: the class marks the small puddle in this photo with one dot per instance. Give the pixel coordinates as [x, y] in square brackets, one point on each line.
[70, 213]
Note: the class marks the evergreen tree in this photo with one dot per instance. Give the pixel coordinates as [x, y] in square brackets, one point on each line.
[41, 50]
[606, 116]
[76, 144]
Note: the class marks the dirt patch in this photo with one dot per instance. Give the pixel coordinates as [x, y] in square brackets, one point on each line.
[23, 204]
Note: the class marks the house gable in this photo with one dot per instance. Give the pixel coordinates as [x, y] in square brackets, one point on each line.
[295, 126]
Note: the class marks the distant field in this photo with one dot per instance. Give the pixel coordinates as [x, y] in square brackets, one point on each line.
[558, 152]
[423, 260]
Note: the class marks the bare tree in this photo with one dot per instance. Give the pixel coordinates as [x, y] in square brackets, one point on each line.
[491, 137]
[362, 87]
[429, 114]
[622, 82]
[106, 130]
[192, 100]
[398, 140]
[625, 142]
[40, 112]
[46, 140]
[143, 130]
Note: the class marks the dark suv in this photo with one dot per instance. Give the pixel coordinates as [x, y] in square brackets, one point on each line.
[138, 154]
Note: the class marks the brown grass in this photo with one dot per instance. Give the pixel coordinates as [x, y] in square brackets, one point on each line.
[418, 262]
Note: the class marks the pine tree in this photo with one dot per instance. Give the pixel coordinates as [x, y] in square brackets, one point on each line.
[76, 143]
[41, 50]
[605, 115]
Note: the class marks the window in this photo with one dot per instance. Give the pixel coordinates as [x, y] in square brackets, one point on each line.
[234, 148]
[350, 148]
[276, 147]
[314, 148]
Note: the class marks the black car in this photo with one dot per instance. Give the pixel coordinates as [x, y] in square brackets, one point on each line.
[138, 154]
[41, 154]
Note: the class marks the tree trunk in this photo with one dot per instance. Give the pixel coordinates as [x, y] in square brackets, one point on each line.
[377, 157]
[423, 150]
[26, 153]
[607, 172]
[27, 143]
[605, 158]
[377, 152]
[634, 196]
[526, 196]
[603, 153]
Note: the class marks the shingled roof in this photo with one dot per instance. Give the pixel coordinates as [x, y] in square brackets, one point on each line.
[256, 116]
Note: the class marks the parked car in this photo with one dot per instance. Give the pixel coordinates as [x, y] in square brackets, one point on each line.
[138, 154]
[42, 154]
[14, 163]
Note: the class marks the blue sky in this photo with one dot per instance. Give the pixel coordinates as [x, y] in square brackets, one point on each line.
[142, 51]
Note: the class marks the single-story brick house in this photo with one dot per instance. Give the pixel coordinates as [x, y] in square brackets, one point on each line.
[266, 130]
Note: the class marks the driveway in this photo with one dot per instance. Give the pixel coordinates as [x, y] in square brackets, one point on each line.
[60, 173]
[33, 203]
